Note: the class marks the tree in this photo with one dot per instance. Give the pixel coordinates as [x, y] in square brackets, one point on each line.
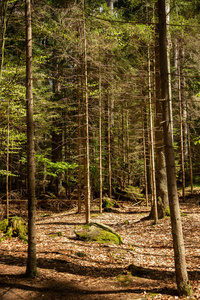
[177, 234]
[31, 270]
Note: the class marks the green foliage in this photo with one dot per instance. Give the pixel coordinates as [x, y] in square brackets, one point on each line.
[54, 168]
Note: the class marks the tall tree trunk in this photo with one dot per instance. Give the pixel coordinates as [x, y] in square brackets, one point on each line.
[7, 161]
[190, 161]
[109, 147]
[168, 63]
[177, 234]
[127, 143]
[144, 153]
[161, 176]
[87, 162]
[181, 128]
[79, 140]
[154, 197]
[31, 270]
[100, 144]
[123, 150]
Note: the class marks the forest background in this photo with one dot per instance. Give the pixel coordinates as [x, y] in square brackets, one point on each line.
[120, 88]
[99, 101]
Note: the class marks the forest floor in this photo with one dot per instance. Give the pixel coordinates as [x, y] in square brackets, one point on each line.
[69, 268]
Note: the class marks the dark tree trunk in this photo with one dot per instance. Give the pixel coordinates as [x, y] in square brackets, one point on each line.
[31, 270]
[161, 176]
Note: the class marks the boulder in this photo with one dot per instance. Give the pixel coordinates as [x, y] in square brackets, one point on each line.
[99, 233]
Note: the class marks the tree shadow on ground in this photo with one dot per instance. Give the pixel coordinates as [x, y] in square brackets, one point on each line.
[66, 266]
[59, 289]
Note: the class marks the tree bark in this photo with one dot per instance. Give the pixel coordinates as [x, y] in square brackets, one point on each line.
[87, 158]
[178, 242]
[100, 144]
[161, 176]
[144, 153]
[154, 197]
[31, 269]
[7, 161]
[181, 129]
[3, 15]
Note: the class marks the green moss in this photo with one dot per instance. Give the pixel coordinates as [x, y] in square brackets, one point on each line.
[3, 225]
[60, 233]
[153, 295]
[126, 222]
[167, 211]
[98, 233]
[184, 289]
[16, 227]
[106, 237]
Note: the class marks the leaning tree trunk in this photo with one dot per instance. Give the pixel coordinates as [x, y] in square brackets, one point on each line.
[177, 234]
[31, 270]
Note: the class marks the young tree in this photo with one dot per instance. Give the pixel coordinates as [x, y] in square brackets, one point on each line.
[177, 234]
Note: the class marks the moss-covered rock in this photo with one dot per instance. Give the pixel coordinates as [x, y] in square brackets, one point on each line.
[14, 227]
[99, 233]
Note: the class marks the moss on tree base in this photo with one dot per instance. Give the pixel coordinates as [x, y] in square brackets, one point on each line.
[14, 227]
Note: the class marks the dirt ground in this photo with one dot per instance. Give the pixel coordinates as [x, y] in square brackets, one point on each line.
[69, 268]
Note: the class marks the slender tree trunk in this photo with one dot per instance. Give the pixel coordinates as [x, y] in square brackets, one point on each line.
[31, 270]
[154, 197]
[127, 143]
[190, 161]
[109, 148]
[168, 63]
[100, 145]
[144, 154]
[3, 12]
[181, 129]
[123, 150]
[79, 141]
[87, 163]
[7, 161]
[178, 242]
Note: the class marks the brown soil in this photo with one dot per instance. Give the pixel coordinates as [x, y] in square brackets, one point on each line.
[69, 268]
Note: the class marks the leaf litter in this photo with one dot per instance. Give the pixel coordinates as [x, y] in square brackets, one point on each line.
[69, 268]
